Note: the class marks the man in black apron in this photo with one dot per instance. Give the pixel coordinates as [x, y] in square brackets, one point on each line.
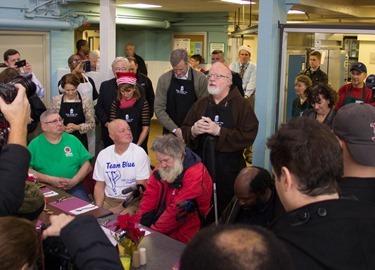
[356, 91]
[176, 92]
[228, 119]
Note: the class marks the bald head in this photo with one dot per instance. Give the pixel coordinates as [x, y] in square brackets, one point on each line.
[253, 187]
[235, 247]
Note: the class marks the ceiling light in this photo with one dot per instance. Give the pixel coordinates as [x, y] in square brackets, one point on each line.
[293, 11]
[140, 5]
[241, 2]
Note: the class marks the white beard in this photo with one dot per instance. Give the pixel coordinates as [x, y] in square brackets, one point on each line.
[170, 175]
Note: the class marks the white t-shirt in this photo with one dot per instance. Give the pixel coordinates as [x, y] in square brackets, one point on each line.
[121, 171]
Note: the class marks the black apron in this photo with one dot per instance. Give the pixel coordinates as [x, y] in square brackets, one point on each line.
[133, 116]
[180, 97]
[227, 164]
[348, 99]
[72, 112]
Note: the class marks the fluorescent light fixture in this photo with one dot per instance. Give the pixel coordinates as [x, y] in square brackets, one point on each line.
[241, 2]
[293, 11]
[140, 5]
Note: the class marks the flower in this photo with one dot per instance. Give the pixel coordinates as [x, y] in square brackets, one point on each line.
[129, 231]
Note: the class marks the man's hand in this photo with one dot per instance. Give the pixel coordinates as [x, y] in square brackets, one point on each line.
[27, 69]
[56, 181]
[67, 183]
[18, 115]
[205, 125]
[57, 223]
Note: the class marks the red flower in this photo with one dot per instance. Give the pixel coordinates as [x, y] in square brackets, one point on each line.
[127, 224]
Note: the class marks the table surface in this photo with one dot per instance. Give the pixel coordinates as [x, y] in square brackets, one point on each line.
[44, 216]
[162, 252]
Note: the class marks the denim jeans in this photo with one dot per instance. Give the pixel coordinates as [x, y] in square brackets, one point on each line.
[79, 192]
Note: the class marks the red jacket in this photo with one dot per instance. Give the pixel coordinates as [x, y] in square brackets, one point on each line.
[159, 206]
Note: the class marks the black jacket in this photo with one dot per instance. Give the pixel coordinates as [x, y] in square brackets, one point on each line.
[14, 166]
[331, 234]
[88, 246]
[141, 65]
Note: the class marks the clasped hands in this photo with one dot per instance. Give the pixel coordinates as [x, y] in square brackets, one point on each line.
[205, 125]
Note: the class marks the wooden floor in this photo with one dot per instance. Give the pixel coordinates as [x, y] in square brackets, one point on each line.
[155, 130]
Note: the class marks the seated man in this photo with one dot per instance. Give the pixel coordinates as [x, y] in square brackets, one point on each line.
[119, 167]
[178, 193]
[255, 201]
[235, 248]
[59, 159]
[320, 230]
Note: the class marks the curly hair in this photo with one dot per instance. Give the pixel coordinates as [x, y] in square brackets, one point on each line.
[313, 94]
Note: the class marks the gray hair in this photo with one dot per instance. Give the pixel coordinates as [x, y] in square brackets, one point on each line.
[169, 145]
[178, 55]
[119, 59]
[47, 113]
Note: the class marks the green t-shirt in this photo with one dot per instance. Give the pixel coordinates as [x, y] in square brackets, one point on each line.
[62, 160]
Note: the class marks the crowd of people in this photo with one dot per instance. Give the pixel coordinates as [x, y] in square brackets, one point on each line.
[314, 213]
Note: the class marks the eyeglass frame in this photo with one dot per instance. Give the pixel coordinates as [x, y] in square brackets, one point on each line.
[54, 121]
[215, 76]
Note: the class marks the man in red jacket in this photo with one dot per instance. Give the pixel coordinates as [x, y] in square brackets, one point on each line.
[178, 193]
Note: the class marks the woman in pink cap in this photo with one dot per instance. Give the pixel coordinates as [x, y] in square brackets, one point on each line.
[132, 107]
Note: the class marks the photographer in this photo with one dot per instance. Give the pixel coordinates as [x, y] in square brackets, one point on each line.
[14, 157]
[11, 57]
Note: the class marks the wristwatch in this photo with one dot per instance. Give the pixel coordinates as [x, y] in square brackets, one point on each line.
[174, 130]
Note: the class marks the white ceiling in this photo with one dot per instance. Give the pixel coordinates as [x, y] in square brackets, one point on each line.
[318, 11]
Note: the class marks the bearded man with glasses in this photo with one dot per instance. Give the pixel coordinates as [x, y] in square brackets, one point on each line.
[228, 119]
[58, 158]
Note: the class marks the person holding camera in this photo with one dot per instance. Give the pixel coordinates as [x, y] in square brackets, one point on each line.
[12, 58]
[13, 174]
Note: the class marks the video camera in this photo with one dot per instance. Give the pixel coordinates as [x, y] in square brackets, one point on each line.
[9, 92]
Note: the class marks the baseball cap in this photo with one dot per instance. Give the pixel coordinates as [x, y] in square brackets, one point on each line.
[126, 77]
[355, 124]
[360, 67]
[33, 203]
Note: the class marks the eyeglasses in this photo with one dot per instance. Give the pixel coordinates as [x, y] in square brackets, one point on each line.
[75, 61]
[54, 121]
[120, 69]
[215, 76]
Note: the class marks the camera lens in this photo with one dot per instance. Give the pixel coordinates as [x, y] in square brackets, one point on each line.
[26, 82]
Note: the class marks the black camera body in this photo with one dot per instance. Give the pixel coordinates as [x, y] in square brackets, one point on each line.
[87, 66]
[9, 92]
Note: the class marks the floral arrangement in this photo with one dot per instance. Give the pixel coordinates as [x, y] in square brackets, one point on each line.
[128, 236]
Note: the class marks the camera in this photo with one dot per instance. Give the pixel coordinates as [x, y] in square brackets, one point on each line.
[9, 92]
[86, 66]
[20, 64]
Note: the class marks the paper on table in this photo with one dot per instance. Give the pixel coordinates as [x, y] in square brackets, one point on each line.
[48, 192]
[83, 209]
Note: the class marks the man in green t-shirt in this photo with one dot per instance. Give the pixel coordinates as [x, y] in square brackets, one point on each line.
[57, 158]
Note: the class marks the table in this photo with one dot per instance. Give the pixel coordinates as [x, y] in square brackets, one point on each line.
[162, 252]
[44, 216]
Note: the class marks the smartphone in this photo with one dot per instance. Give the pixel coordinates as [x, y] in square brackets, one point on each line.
[87, 66]
[21, 63]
